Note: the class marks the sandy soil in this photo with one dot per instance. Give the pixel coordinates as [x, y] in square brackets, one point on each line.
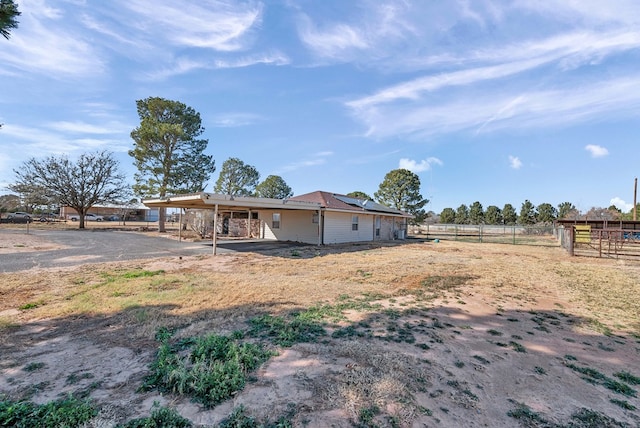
[465, 359]
[20, 242]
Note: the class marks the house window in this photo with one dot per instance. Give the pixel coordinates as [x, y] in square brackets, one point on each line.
[377, 226]
[354, 222]
[314, 218]
[276, 221]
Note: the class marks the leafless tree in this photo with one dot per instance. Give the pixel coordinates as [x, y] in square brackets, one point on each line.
[93, 179]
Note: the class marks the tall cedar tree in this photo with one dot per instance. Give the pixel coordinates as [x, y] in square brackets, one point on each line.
[167, 152]
[400, 189]
[93, 179]
[8, 17]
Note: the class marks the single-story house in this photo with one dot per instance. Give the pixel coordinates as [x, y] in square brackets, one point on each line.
[314, 218]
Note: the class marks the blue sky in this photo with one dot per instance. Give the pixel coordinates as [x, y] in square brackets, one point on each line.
[489, 101]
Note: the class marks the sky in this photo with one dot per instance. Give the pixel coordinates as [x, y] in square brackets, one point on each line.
[490, 101]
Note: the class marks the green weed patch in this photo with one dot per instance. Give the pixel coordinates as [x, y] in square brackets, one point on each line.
[160, 417]
[209, 369]
[67, 412]
[302, 327]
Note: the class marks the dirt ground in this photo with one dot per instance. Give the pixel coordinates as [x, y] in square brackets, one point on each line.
[510, 336]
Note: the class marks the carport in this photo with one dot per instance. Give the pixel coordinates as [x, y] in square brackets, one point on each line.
[218, 203]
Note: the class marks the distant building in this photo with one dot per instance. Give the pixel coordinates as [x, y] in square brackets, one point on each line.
[128, 212]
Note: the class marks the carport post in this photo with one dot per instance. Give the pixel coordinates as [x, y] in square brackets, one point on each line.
[214, 235]
[249, 225]
[320, 227]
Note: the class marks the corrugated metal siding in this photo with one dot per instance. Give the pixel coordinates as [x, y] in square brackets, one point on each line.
[294, 226]
[337, 228]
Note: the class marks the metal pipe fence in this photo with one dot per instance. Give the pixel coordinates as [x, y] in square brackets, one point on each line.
[609, 243]
[501, 234]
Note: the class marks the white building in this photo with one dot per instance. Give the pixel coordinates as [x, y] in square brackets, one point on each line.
[314, 218]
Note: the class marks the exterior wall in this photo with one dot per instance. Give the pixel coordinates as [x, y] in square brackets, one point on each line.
[298, 226]
[337, 228]
[295, 226]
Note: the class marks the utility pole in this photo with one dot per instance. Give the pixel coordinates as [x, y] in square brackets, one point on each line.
[635, 204]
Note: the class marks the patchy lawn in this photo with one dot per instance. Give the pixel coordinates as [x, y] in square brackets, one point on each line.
[421, 334]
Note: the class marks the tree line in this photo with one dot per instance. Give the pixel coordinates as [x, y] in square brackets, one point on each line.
[529, 214]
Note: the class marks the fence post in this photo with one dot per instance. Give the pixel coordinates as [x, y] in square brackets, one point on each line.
[570, 244]
[513, 229]
[600, 242]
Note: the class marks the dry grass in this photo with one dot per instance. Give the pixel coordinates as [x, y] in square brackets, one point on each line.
[601, 289]
[453, 293]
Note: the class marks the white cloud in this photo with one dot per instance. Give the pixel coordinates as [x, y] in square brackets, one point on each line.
[62, 139]
[596, 151]
[332, 42]
[46, 44]
[234, 120]
[368, 36]
[319, 158]
[493, 108]
[214, 24]
[621, 204]
[79, 127]
[515, 162]
[514, 60]
[187, 65]
[593, 11]
[276, 58]
[423, 165]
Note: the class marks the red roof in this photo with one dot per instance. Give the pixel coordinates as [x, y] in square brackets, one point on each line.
[326, 200]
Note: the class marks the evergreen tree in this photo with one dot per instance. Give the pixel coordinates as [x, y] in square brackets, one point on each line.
[8, 17]
[493, 215]
[275, 187]
[167, 152]
[565, 209]
[509, 215]
[360, 195]
[527, 214]
[448, 216]
[476, 213]
[462, 215]
[237, 179]
[400, 189]
[546, 213]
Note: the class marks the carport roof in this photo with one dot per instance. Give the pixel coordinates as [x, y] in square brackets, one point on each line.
[205, 200]
[311, 202]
